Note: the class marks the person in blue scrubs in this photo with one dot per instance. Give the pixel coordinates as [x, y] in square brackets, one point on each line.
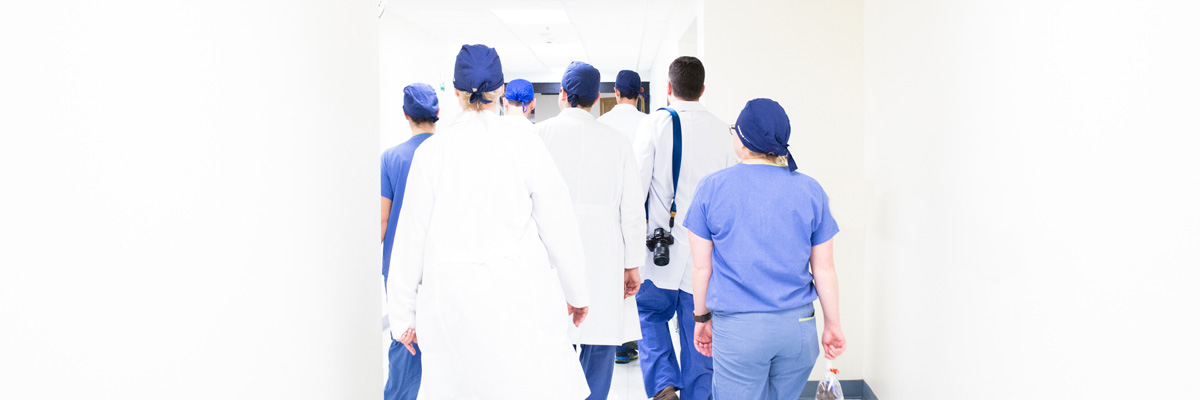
[421, 111]
[761, 236]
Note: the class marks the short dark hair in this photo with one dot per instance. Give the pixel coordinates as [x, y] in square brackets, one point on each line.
[585, 103]
[423, 121]
[687, 78]
[629, 95]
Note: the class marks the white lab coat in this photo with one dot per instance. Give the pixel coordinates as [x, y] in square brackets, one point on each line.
[519, 120]
[624, 118]
[707, 148]
[598, 165]
[487, 255]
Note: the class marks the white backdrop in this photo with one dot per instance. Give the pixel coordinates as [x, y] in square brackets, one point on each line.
[189, 205]
[1036, 227]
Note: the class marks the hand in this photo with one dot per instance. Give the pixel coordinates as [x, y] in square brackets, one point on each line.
[577, 314]
[703, 338]
[408, 338]
[633, 282]
[834, 341]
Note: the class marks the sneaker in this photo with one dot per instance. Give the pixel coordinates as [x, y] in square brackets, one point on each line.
[626, 355]
[668, 393]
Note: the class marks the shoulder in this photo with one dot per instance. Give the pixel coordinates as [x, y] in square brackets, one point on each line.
[809, 183]
[391, 153]
[717, 179]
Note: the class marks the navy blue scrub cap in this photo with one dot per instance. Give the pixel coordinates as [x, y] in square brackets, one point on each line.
[519, 90]
[581, 81]
[629, 82]
[765, 128]
[477, 71]
[420, 101]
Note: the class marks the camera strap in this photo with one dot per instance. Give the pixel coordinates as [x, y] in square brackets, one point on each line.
[676, 158]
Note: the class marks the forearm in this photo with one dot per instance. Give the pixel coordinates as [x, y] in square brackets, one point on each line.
[826, 281]
[385, 212]
[701, 271]
[700, 289]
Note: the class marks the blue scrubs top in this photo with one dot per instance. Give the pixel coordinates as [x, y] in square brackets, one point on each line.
[393, 173]
[763, 221]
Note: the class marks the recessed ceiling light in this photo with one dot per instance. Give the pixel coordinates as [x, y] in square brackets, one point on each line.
[532, 17]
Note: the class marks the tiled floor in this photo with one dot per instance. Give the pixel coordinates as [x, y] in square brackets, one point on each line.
[627, 382]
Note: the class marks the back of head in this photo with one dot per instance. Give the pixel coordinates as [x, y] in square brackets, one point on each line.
[519, 93]
[421, 103]
[581, 82]
[687, 78]
[629, 84]
[478, 76]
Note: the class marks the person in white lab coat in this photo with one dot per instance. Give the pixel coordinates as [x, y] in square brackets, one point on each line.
[667, 290]
[598, 165]
[487, 255]
[519, 101]
[625, 117]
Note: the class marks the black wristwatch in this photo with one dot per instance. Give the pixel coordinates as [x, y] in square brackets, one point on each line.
[702, 318]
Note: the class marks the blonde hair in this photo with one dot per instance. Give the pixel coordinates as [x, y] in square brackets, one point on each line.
[780, 160]
[464, 99]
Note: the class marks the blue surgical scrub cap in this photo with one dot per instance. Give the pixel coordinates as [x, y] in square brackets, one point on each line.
[420, 101]
[581, 81]
[477, 71]
[629, 82]
[765, 128]
[520, 91]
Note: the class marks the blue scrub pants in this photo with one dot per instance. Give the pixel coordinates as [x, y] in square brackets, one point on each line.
[404, 373]
[657, 354]
[763, 355]
[597, 361]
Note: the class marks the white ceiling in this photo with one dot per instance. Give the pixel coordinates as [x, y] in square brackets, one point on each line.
[536, 39]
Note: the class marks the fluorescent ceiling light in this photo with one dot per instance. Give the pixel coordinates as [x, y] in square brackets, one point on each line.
[533, 17]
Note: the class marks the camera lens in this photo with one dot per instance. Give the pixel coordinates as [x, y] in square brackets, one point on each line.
[662, 254]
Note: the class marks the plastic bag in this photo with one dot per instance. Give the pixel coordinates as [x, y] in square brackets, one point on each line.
[829, 388]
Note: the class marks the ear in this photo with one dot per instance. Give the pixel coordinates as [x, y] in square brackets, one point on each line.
[438, 113]
[562, 95]
[701, 92]
[533, 103]
[616, 93]
[407, 118]
[670, 90]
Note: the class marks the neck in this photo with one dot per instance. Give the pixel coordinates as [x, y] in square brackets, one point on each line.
[676, 99]
[759, 160]
[423, 128]
[632, 102]
[588, 109]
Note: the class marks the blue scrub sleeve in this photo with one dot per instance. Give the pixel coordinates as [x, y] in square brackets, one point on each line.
[824, 227]
[385, 181]
[696, 220]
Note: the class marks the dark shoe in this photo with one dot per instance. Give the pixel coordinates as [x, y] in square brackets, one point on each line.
[626, 355]
[668, 393]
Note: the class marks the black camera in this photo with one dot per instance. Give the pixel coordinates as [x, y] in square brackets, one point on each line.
[657, 243]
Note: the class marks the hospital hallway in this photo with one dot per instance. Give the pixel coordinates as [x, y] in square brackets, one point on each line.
[191, 196]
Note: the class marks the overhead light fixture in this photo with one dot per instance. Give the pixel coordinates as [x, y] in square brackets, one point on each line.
[532, 17]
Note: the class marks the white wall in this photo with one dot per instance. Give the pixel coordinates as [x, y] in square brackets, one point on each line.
[189, 203]
[677, 32]
[808, 57]
[1036, 227]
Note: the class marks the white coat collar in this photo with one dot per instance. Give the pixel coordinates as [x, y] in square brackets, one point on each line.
[687, 106]
[577, 113]
[623, 107]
